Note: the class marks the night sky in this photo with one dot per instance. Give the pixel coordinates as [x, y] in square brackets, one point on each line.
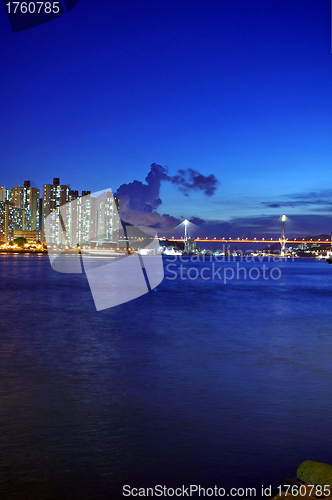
[230, 101]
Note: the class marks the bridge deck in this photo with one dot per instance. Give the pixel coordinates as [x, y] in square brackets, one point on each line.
[239, 240]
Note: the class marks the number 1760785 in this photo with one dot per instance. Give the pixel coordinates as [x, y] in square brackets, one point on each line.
[303, 490]
[33, 7]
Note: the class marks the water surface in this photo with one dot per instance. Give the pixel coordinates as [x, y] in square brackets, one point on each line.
[197, 382]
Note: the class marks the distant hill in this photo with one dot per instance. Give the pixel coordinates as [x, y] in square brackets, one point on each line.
[276, 246]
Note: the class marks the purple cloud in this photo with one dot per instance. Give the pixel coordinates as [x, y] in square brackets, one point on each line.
[140, 199]
[189, 179]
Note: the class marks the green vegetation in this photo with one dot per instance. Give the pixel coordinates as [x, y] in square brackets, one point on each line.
[20, 241]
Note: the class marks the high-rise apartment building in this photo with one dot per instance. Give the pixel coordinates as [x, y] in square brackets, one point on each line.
[19, 210]
[6, 194]
[10, 220]
[31, 207]
[17, 197]
[26, 199]
[86, 221]
[3, 193]
[54, 196]
[108, 225]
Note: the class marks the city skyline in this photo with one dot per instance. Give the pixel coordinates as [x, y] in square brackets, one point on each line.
[22, 209]
[133, 199]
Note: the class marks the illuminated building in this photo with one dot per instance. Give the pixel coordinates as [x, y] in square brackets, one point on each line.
[30, 236]
[108, 226]
[31, 207]
[54, 196]
[10, 220]
[26, 199]
[88, 221]
[3, 193]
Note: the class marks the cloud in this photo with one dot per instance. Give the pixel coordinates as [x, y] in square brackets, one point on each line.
[144, 197]
[139, 201]
[302, 203]
[268, 226]
[189, 179]
[311, 195]
[197, 220]
[271, 205]
[164, 223]
[315, 200]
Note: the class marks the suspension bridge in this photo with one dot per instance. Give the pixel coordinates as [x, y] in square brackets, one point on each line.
[282, 239]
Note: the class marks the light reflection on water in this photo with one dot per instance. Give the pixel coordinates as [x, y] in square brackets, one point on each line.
[196, 382]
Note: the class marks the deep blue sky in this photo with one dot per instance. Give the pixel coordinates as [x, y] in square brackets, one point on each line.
[241, 89]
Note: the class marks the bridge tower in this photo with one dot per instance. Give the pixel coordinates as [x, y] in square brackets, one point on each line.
[283, 238]
[185, 230]
[189, 243]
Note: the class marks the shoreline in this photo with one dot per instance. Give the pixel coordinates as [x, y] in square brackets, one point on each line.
[5, 251]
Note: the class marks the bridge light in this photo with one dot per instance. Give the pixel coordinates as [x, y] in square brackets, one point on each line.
[283, 218]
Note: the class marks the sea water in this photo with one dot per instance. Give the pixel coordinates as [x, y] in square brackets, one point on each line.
[203, 381]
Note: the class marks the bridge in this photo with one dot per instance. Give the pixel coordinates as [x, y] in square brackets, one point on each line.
[255, 240]
[282, 240]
